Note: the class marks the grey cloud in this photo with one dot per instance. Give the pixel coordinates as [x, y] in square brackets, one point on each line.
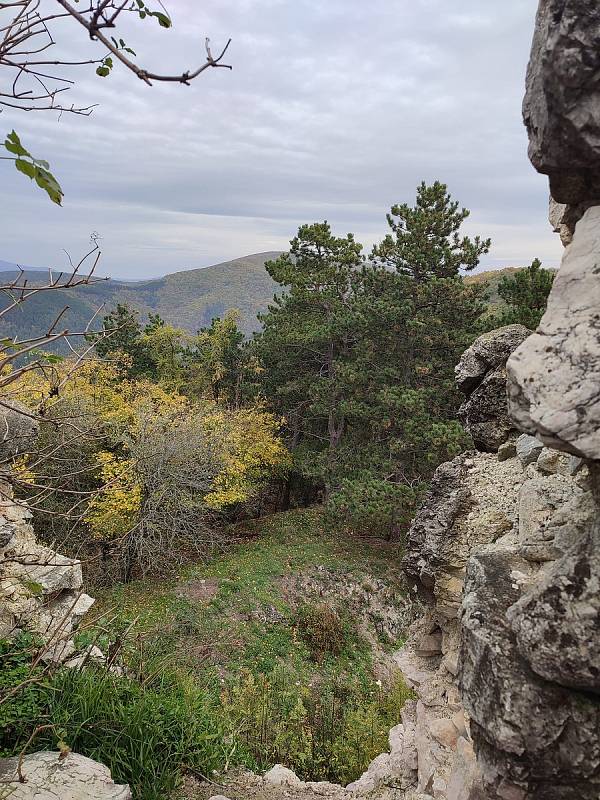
[333, 110]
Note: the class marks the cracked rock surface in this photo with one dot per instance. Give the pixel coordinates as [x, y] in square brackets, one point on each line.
[554, 376]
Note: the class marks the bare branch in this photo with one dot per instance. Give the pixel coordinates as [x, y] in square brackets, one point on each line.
[35, 86]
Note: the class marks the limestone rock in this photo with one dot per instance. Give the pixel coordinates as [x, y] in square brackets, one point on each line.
[562, 102]
[554, 376]
[507, 450]
[481, 375]
[281, 776]
[49, 777]
[445, 732]
[472, 501]
[557, 624]
[531, 736]
[463, 773]
[487, 352]
[485, 414]
[528, 449]
[563, 219]
[552, 462]
[429, 645]
[448, 494]
[40, 589]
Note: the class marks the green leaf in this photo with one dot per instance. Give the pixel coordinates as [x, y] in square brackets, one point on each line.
[13, 145]
[46, 181]
[26, 167]
[163, 20]
[103, 72]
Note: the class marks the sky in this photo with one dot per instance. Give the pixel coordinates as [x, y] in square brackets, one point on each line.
[334, 109]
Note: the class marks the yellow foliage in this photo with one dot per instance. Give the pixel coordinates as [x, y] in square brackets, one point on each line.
[20, 469]
[98, 388]
[251, 451]
[112, 512]
[245, 442]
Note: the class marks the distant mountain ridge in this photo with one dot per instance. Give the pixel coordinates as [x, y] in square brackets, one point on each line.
[187, 299]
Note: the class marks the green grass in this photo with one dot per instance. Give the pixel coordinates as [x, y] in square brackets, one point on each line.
[251, 577]
[236, 671]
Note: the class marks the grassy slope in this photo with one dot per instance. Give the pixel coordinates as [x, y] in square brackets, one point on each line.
[230, 633]
[237, 638]
[492, 278]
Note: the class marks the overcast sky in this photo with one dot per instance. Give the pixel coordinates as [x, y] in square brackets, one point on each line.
[335, 109]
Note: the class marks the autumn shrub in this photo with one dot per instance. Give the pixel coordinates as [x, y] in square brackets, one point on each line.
[142, 476]
[324, 629]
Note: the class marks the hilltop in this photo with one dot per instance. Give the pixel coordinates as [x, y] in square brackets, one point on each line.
[187, 299]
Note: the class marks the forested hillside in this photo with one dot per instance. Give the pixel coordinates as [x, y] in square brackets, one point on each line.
[189, 299]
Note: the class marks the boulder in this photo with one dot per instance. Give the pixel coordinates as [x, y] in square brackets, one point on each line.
[528, 449]
[49, 776]
[507, 450]
[281, 776]
[488, 351]
[561, 109]
[481, 375]
[484, 414]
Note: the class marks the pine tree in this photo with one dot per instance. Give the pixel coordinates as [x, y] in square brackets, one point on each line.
[305, 341]
[359, 356]
[526, 295]
[425, 241]
[122, 332]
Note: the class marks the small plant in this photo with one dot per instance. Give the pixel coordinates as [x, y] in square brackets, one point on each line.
[23, 692]
[325, 630]
[326, 728]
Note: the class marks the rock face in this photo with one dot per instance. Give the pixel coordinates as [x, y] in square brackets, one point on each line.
[554, 377]
[49, 777]
[562, 101]
[504, 551]
[481, 375]
[40, 590]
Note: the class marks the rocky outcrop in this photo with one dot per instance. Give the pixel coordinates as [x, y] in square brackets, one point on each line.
[504, 554]
[554, 384]
[49, 776]
[562, 101]
[530, 666]
[40, 590]
[481, 375]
